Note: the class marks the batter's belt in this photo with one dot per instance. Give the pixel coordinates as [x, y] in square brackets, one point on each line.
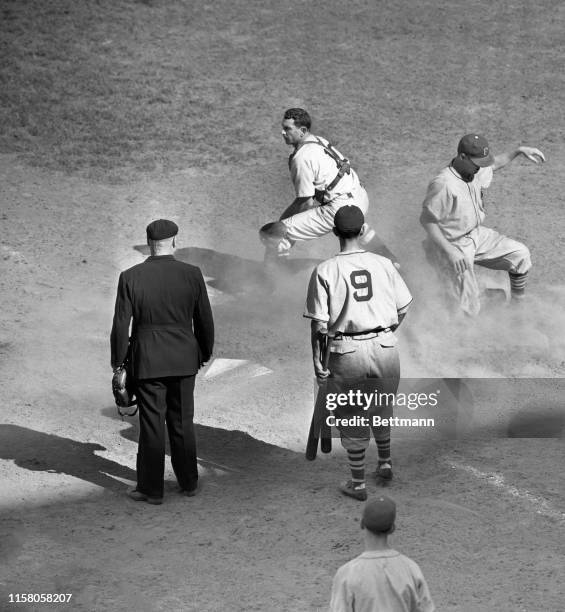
[364, 335]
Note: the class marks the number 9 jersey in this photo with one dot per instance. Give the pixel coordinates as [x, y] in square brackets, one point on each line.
[356, 292]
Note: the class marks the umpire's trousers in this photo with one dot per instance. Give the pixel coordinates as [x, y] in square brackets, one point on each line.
[166, 401]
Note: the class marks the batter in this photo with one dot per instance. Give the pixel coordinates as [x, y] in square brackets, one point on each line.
[358, 299]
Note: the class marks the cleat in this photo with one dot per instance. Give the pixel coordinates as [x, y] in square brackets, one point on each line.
[384, 470]
[358, 492]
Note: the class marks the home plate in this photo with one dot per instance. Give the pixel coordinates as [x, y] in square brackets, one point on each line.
[238, 367]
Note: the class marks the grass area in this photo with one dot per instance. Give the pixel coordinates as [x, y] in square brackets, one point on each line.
[109, 88]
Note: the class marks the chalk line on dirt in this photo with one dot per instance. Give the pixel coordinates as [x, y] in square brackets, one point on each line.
[244, 367]
[540, 503]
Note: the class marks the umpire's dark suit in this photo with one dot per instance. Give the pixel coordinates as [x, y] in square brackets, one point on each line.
[172, 335]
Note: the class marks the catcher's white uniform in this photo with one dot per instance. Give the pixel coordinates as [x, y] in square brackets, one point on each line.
[312, 170]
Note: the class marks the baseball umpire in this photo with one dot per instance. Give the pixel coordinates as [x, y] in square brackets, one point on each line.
[453, 214]
[324, 181]
[358, 299]
[172, 335]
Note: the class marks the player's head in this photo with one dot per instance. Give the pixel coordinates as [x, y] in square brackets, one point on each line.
[379, 516]
[161, 235]
[348, 222]
[296, 125]
[300, 117]
[476, 149]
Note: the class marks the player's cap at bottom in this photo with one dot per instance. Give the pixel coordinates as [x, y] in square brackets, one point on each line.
[349, 219]
[379, 514]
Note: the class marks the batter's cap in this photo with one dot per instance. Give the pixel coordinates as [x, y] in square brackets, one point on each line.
[162, 229]
[379, 514]
[349, 219]
[477, 149]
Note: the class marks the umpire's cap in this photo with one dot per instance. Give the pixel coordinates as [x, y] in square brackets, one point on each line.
[349, 219]
[162, 229]
[379, 515]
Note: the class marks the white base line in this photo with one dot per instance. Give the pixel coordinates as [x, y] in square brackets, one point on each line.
[542, 505]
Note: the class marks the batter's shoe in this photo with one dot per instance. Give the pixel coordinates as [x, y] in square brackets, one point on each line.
[358, 492]
[384, 470]
[139, 496]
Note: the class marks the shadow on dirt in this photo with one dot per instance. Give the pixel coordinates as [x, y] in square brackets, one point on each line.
[39, 451]
[221, 449]
[233, 274]
[218, 449]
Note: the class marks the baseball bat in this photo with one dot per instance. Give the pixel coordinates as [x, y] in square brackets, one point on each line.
[318, 416]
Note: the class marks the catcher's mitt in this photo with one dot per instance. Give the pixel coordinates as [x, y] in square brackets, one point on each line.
[123, 390]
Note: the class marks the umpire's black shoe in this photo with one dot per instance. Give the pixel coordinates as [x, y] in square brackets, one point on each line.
[384, 470]
[139, 496]
[189, 492]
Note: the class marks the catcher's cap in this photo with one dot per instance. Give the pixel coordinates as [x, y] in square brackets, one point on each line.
[161, 229]
[349, 219]
[379, 515]
[477, 149]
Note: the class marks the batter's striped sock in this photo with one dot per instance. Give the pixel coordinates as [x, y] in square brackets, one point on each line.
[383, 448]
[356, 460]
[517, 283]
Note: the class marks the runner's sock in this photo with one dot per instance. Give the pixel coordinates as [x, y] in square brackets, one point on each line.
[517, 284]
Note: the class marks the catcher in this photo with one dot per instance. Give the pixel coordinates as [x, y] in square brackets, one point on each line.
[324, 181]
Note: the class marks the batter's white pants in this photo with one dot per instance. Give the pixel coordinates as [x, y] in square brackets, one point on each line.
[485, 247]
[370, 365]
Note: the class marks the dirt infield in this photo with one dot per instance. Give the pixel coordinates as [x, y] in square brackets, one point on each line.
[185, 107]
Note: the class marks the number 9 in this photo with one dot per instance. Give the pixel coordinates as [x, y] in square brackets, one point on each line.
[361, 279]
